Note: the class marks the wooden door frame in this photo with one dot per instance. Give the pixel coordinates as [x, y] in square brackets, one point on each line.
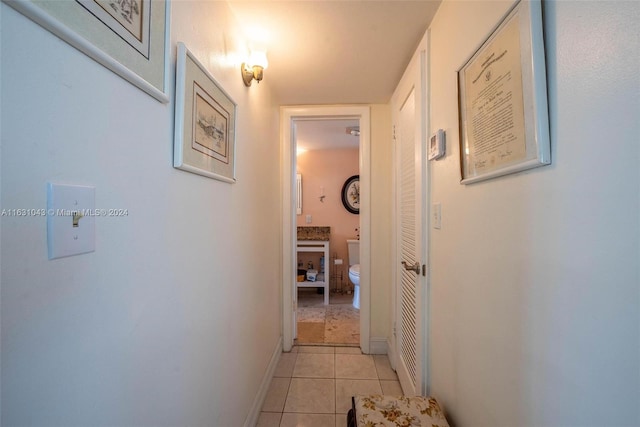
[288, 116]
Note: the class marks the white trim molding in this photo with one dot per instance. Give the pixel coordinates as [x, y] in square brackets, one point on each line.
[288, 115]
[254, 413]
[379, 345]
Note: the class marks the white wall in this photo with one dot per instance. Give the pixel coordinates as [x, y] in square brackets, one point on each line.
[381, 226]
[174, 318]
[535, 276]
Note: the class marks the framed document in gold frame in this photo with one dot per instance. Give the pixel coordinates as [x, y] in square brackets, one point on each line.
[502, 91]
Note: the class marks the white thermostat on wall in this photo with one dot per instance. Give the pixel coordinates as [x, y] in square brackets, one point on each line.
[437, 145]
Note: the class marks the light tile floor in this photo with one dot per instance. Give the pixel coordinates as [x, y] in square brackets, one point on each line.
[313, 385]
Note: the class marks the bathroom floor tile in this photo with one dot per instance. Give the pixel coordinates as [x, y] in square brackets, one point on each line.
[338, 312]
[311, 395]
[308, 420]
[312, 365]
[355, 366]
[340, 319]
[276, 395]
[338, 298]
[342, 332]
[311, 314]
[347, 388]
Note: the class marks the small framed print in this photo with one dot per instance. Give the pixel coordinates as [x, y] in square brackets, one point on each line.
[205, 120]
[351, 194]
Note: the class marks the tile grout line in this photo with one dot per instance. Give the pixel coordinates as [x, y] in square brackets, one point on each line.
[335, 383]
[333, 376]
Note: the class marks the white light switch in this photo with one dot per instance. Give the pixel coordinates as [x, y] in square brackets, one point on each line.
[437, 216]
[70, 220]
[308, 219]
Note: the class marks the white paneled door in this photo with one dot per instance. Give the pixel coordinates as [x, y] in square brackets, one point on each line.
[409, 114]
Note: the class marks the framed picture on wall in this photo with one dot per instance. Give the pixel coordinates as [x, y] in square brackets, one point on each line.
[504, 122]
[205, 122]
[351, 194]
[130, 38]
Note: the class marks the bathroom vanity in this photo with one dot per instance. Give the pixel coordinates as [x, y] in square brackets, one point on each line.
[316, 239]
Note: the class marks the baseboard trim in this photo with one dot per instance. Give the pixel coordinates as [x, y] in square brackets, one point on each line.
[254, 413]
[391, 353]
[378, 345]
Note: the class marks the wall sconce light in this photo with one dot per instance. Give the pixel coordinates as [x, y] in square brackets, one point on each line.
[254, 69]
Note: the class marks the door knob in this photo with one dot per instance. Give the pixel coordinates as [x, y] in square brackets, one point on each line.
[415, 267]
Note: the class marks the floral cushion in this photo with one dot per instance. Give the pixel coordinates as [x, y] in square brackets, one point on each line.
[386, 411]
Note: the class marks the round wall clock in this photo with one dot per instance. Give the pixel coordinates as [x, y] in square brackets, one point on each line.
[351, 194]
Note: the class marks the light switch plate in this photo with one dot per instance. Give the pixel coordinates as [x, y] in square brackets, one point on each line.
[66, 203]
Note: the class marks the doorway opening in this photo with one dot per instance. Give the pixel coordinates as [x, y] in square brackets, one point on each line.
[291, 119]
[328, 226]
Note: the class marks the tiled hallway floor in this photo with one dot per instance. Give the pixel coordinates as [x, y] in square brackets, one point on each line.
[313, 385]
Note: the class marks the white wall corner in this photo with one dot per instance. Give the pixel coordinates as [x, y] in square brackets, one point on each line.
[254, 413]
[378, 345]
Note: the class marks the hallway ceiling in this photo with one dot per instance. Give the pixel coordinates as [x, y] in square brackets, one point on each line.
[335, 52]
[326, 134]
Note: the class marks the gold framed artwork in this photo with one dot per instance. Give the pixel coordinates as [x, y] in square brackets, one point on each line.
[502, 90]
[205, 119]
[131, 38]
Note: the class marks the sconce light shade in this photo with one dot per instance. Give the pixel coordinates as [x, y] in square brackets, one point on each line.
[254, 70]
[259, 58]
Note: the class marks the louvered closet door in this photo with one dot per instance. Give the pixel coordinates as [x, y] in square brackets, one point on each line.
[409, 204]
[408, 318]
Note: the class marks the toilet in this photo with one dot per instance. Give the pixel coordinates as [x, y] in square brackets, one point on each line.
[354, 269]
